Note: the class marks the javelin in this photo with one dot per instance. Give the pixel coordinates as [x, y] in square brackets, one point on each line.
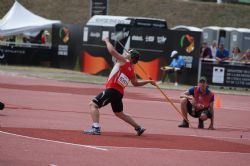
[166, 97]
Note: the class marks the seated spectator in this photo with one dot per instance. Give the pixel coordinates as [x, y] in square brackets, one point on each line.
[246, 56]
[222, 53]
[44, 37]
[235, 54]
[214, 48]
[205, 51]
[39, 38]
[176, 66]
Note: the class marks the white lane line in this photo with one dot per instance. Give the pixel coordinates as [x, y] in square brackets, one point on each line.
[59, 142]
[214, 137]
[178, 150]
[118, 147]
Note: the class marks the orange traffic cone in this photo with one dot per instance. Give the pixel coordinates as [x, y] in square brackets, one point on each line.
[217, 103]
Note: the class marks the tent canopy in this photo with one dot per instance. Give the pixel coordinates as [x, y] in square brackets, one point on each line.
[19, 20]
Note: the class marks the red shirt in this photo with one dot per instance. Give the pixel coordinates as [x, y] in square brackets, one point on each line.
[43, 39]
[120, 76]
[202, 100]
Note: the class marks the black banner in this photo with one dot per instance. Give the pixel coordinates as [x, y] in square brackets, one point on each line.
[187, 44]
[226, 73]
[98, 7]
[66, 46]
[154, 44]
[94, 57]
[151, 42]
[16, 55]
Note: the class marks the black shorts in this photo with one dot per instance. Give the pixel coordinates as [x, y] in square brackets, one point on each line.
[198, 113]
[110, 96]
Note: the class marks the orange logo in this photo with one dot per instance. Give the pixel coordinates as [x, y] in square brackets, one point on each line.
[64, 34]
[187, 42]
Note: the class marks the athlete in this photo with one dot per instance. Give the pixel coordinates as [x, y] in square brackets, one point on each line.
[121, 74]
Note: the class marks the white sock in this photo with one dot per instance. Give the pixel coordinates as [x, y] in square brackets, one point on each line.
[96, 124]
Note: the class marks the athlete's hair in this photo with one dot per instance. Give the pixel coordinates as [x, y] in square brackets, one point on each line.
[135, 55]
[1, 105]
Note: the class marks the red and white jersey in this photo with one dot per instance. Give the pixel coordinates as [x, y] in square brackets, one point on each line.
[202, 100]
[120, 76]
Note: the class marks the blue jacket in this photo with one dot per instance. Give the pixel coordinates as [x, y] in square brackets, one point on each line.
[178, 62]
[223, 54]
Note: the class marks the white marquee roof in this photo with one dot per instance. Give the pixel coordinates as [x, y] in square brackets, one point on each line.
[19, 20]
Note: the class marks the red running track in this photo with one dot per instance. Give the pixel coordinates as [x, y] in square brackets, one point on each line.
[43, 121]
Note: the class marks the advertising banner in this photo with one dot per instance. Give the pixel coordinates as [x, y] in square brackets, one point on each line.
[16, 55]
[66, 45]
[187, 43]
[226, 73]
[156, 45]
[152, 44]
[98, 7]
[94, 56]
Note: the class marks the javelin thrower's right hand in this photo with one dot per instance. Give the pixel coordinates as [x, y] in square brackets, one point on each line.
[153, 82]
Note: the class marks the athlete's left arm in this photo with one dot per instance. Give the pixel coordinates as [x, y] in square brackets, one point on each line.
[135, 82]
[211, 107]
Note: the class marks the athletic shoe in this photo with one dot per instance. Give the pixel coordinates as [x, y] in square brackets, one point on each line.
[201, 124]
[1, 106]
[93, 131]
[140, 131]
[184, 124]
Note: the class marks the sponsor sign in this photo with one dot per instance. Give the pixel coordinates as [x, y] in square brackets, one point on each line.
[226, 73]
[98, 7]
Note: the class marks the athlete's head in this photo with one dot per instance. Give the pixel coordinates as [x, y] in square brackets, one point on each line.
[135, 56]
[203, 83]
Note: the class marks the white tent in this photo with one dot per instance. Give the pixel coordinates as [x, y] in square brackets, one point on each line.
[19, 20]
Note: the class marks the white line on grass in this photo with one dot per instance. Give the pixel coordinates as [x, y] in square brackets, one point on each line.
[59, 142]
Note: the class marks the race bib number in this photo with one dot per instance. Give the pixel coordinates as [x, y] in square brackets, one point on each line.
[123, 80]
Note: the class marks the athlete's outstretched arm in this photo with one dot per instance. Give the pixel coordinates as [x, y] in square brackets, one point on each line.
[135, 82]
[113, 52]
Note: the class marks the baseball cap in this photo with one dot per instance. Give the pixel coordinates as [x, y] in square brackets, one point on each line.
[203, 79]
[173, 53]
